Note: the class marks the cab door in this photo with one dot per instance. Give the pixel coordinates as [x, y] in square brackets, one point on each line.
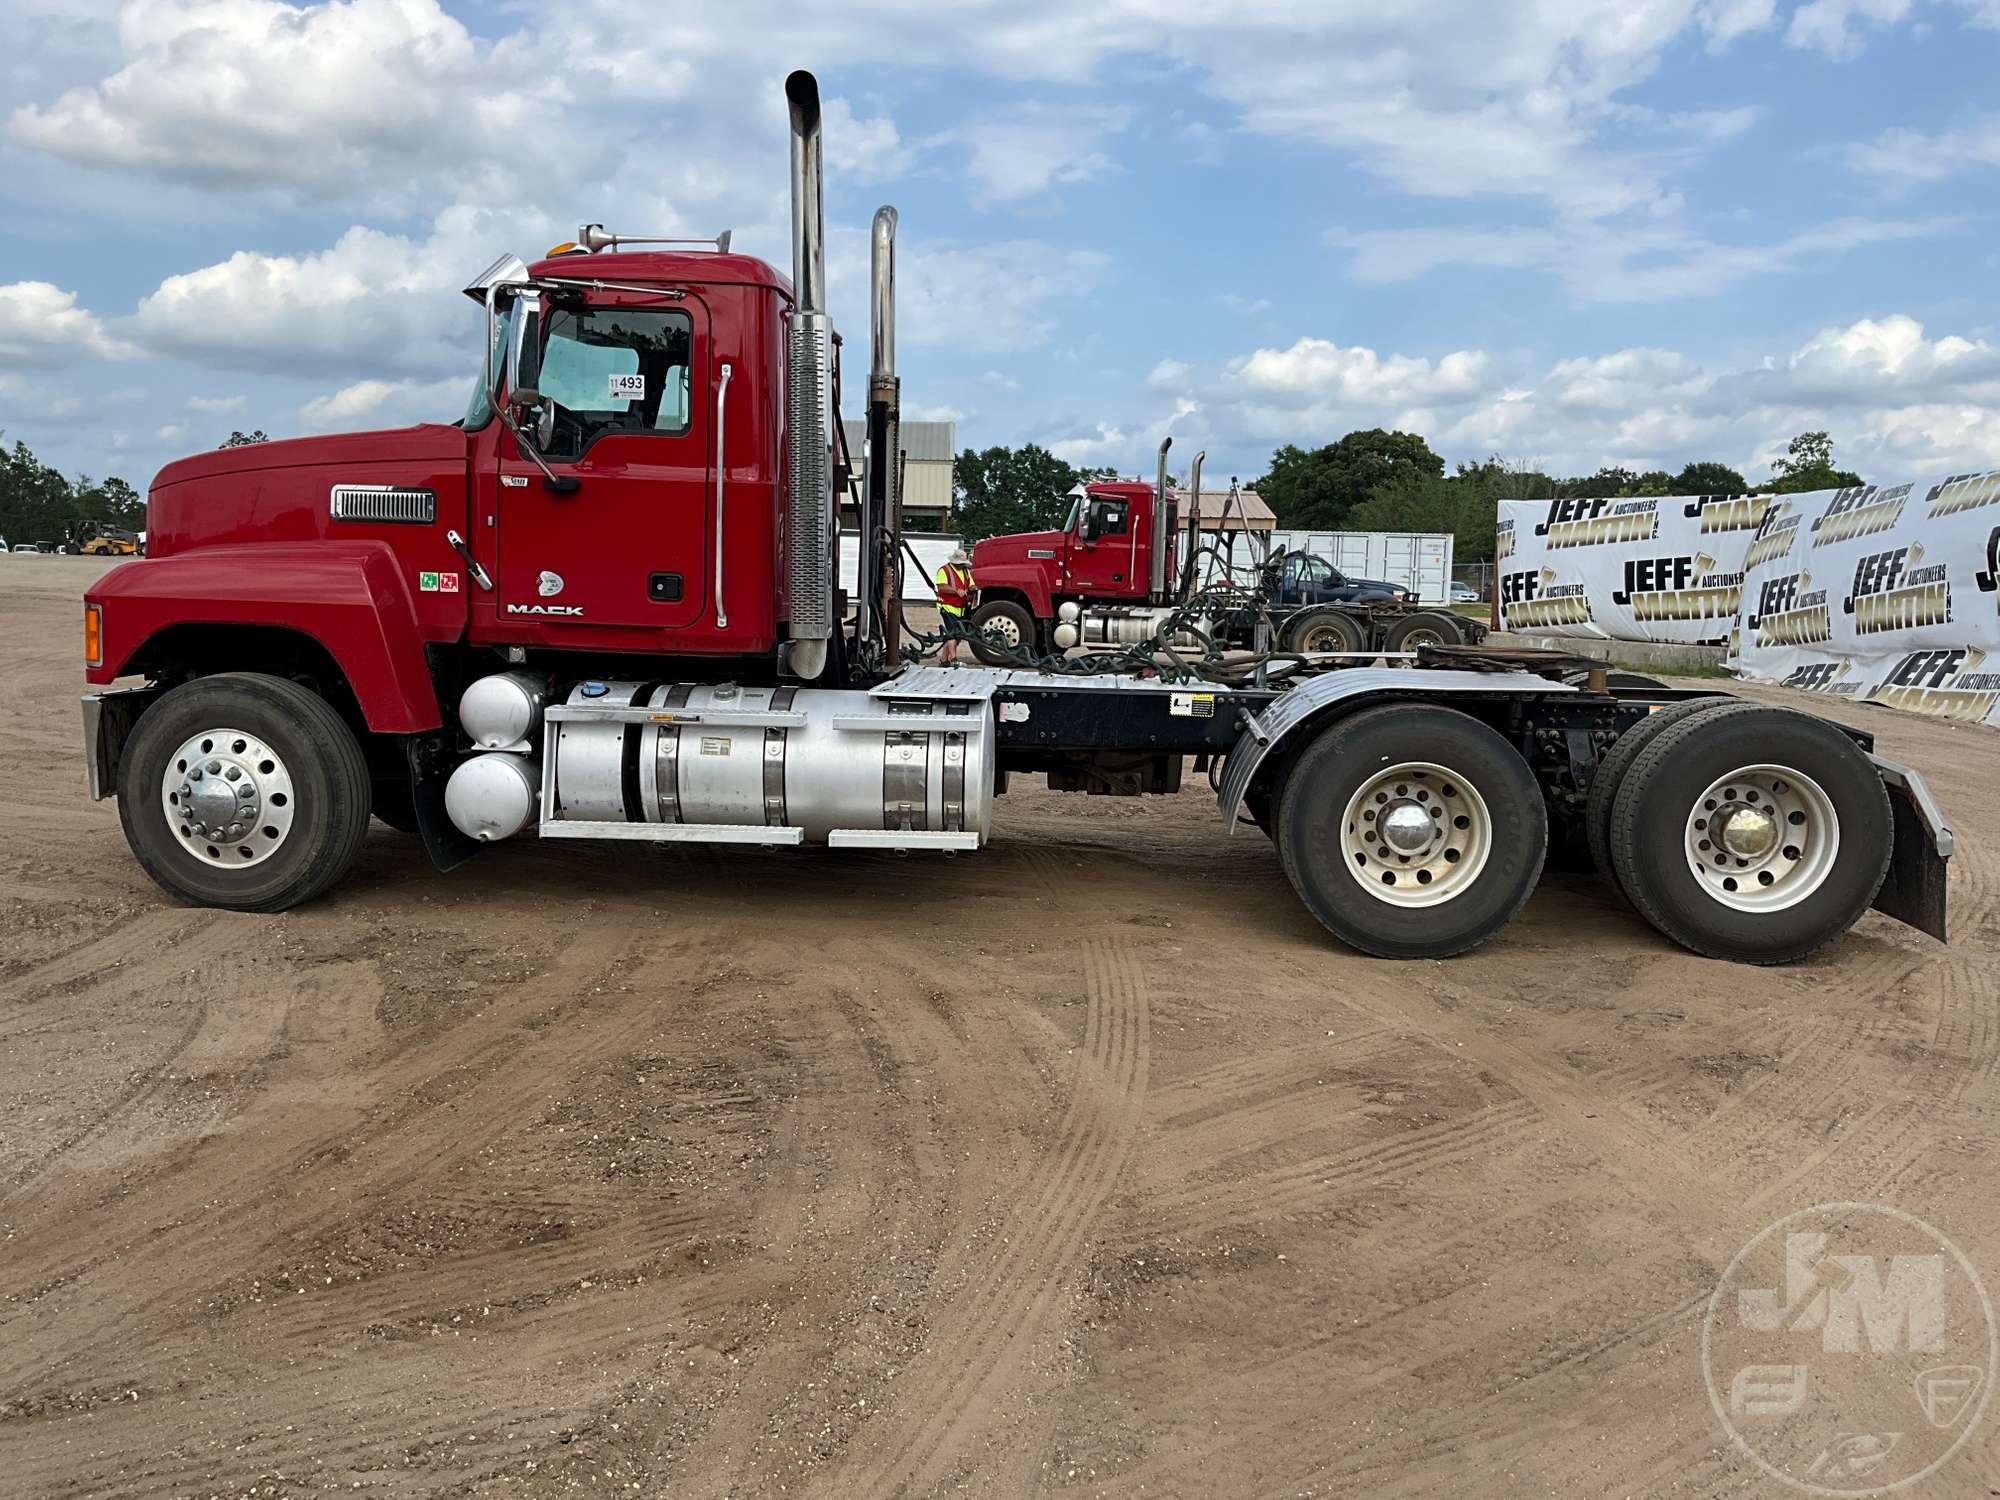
[627, 381]
[1102, 558]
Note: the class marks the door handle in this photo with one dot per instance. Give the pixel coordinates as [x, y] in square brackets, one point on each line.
[721, 466]
[479, 574]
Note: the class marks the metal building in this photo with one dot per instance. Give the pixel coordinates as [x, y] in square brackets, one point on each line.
[928, 449]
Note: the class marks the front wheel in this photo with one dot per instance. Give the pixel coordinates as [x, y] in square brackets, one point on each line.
[1411, 831]
[243, 791]
[1009, 627]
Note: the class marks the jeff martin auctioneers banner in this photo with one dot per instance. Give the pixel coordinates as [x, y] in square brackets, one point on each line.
[1883, 593]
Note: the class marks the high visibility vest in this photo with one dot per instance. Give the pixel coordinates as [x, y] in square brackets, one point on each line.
[954, 588]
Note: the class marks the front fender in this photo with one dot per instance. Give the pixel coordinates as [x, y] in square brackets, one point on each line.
[1015, 579]
[1316, 696]
[348, 597]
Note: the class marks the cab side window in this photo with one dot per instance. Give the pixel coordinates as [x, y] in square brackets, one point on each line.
[1107, 518]
[615, 370]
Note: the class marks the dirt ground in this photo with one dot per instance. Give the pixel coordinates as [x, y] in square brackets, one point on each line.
[1088, 1163]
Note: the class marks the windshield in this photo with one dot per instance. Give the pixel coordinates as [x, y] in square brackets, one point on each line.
[479, 410]
[1075, 509]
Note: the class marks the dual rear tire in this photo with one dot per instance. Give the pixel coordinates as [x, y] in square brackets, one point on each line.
[1745, 832]
[1740, 831]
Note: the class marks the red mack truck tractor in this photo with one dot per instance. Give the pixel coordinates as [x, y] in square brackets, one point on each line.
[603, 605]
[1129, 556]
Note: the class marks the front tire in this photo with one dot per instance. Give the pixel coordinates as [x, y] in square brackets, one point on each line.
[1011, 628]
[1752, 834]
[243, 791]
[1411, 831]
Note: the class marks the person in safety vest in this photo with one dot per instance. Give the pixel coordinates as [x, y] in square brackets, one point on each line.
[954, 593]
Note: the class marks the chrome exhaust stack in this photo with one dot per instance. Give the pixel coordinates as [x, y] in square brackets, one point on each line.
[1156, 582]
[811, 534]
[1193, 524]
[878, 614]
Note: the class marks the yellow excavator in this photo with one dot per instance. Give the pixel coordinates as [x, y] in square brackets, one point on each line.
[95, 539]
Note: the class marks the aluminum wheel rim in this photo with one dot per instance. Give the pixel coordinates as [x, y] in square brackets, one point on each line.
[1004, 629]
[1762, 838]
[228, 798]
[1423, 635]
[1395, 858]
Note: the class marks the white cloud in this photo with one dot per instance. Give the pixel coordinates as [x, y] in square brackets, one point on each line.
[216, 406]
[41, 324]
[1896, 399]
[1103, 446]
[863, 150]
[1614, 263]
[1317, 376]
[385, 403]
[988, 297]
[1910, 157]
[384, 100]
[1025, 151]
[1830, 26]
[370, 302]
[1725, 20]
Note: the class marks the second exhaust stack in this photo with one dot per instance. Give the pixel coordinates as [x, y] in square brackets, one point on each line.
[810, 407]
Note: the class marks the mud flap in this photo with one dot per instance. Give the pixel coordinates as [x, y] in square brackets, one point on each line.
[430, 769]
[1914, 889]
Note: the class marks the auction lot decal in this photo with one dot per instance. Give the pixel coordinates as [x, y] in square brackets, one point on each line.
[1889, 594]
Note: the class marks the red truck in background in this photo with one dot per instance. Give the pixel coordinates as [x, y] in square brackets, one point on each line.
[1129, 555]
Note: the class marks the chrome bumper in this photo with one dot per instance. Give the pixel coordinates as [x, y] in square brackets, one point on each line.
[107, 723]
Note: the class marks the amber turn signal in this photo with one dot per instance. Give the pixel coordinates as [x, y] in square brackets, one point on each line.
[93, 635]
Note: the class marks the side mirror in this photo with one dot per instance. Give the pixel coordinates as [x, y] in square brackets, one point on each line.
[524, 352]
[1092, 525]
[530, 406]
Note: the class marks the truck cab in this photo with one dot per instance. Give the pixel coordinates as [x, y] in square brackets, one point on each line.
[1103, 553]
[1303, 578]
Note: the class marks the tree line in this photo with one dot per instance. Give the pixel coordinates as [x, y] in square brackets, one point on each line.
[1373, 480]
[39, 503]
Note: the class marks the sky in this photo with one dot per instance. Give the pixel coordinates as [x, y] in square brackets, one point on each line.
[1565, 232]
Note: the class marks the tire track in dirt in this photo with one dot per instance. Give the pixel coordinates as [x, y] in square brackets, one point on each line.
[1323, 1180]
[101, 959]
[979, 1347]
[415, 1140]
[402, 1399]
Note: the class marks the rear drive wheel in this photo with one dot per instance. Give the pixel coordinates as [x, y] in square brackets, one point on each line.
[1007, 625]
[1611, 769]
[1326, 630]
[1428, 628]
[1412, 831]
[243, 791]
[1751, 833]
